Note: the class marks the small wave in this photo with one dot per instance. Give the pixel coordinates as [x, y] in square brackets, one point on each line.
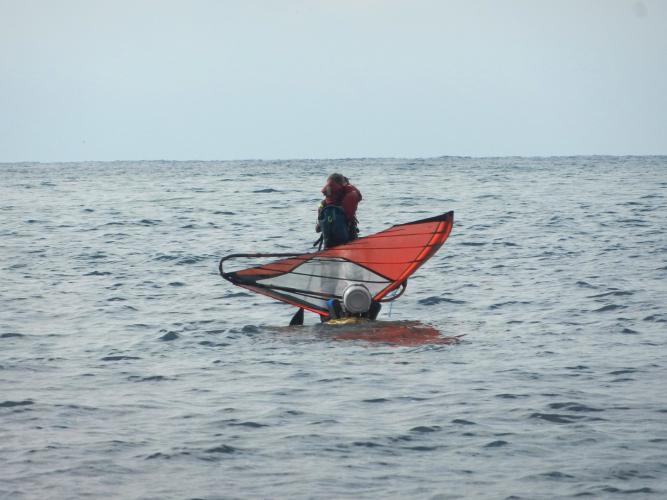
[612, 489]
[223, 448]
[496, 444]
[216, 331]
[572, 407]
[13, 404]
[166, 257]
[625, 474]
[168, 456]
[208, 343]
[401, 439]
[610, 307]
[192, 260]
[251, 425]
[555, 475]
[639, 222]
[77, 407]
[461, 421]
[367, 444]
[426, 428]
[169, 336]
[421, 447]
[429, 301]
[556, 418]
[615, 293]
[508, 303]
[623, 372]
[96, 255]
[151, 378]
[118, 358]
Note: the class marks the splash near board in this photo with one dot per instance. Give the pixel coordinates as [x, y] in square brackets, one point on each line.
[376, 265]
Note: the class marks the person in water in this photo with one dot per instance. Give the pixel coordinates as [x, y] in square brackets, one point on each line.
[336, 220]
[337, 214]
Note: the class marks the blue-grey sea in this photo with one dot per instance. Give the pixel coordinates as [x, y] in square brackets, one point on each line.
[129, 369]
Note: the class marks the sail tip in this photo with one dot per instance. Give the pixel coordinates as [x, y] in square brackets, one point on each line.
[447, 216]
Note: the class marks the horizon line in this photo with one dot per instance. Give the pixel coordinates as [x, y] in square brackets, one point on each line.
[342, 158]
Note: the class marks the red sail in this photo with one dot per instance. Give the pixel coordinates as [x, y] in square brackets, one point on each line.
[382, 262]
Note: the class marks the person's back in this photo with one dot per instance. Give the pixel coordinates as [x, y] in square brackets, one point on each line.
[337, 213]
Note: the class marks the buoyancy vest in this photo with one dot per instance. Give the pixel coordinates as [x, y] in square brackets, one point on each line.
[349, 201]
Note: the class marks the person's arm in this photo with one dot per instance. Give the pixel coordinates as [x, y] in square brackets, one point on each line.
[319, 211]
[349, 204]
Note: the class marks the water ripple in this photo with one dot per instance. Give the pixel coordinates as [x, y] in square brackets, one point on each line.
[525, 359]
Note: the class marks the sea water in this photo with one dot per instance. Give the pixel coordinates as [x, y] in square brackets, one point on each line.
[130, 369]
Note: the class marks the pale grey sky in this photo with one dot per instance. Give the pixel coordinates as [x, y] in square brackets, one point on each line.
[216, 79]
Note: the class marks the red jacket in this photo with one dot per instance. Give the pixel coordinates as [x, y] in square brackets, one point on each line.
[347, 197]
[349, 202]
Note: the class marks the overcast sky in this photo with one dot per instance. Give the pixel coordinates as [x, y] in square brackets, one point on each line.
[215, 79]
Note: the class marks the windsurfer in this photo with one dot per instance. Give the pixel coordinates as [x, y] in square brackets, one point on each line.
[337, 214]
[336, 219]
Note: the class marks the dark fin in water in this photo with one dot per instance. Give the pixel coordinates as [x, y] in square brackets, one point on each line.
[297, 319]
[374, 310]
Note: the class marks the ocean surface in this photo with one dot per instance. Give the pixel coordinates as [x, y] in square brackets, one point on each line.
[129, 369]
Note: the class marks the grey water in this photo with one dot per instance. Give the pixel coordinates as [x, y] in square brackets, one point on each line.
[130, 369]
